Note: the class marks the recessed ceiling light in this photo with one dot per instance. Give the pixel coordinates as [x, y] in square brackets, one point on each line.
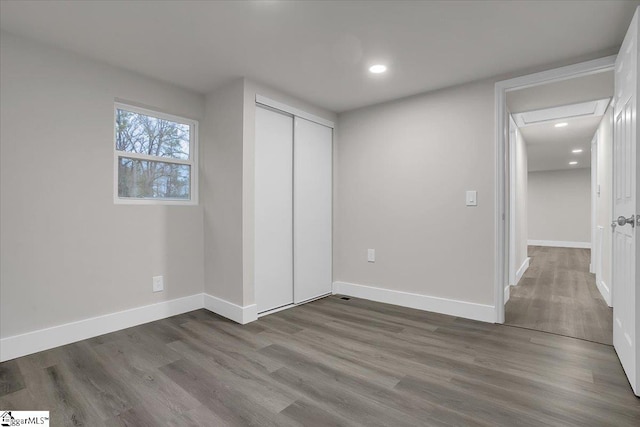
[573, 163]
[561, 125]
[578, 150]
[378, 68]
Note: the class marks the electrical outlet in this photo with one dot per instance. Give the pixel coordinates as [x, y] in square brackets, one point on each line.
[158, 284]
[371, 255]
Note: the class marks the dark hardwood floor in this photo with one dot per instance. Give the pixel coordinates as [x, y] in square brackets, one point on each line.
[328, 363]
[557, 294]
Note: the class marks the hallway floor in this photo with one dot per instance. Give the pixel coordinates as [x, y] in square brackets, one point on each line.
[557, 294]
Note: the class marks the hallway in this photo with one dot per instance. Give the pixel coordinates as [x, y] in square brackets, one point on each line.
[557, 294]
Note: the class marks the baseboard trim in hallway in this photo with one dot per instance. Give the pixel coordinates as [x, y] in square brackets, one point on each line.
[559, 244]
[604, 291]
[523, 269]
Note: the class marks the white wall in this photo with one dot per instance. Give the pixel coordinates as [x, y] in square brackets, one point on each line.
[604, 201]
[521, 202]
[67, 252]
[560, 205]
[402, 169]
[221, 188]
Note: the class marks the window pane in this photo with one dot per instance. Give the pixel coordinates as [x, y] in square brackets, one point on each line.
[145, 179]
[137, 133]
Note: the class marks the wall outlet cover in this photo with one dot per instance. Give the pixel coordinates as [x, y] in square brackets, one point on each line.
[158, 283]
[371, 255]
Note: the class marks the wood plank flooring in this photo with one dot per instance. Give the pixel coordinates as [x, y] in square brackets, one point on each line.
[332, 362]
[557, 294]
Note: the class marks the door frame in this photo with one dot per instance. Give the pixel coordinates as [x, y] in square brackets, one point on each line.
[503, 199]
[593, 263]
[513, 134]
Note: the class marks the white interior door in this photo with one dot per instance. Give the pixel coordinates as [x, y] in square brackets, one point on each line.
[625, 187]
[312, 209]
[273, 266]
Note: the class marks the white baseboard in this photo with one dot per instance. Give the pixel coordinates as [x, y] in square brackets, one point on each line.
[559, 244]
[507, 293]
[605, 291]
[238, 314]
[334, 287]
[468, 310]
[523, 268]
[44, 339]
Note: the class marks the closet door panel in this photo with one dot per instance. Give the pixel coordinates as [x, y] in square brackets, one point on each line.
[312, 180]
[273, 266]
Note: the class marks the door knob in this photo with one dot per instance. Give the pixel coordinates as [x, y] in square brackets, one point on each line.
[623, 221]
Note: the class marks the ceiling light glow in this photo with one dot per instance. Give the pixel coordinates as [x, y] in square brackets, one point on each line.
[561, 125]
[378, 68]
[577, 150]
[573, 163]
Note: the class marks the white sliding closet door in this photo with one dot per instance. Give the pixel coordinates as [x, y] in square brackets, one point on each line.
[273, 209]
[312, 209]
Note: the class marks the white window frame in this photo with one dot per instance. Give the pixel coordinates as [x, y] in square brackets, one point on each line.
[192, 161]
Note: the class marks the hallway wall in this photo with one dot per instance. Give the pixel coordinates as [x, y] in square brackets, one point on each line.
[521, 202]
[560, 206]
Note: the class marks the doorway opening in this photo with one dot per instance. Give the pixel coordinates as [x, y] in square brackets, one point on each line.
[556, 207]
[547, 97]
[626, 193]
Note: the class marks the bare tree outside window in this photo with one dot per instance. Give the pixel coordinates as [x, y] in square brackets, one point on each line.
[153, 157]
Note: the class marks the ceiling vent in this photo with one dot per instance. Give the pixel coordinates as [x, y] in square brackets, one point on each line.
[564, 112]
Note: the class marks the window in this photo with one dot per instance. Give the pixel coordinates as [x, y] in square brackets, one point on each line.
[155, 159]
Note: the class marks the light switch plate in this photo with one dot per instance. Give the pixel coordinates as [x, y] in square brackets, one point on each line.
[472, 198]
[371, 255]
